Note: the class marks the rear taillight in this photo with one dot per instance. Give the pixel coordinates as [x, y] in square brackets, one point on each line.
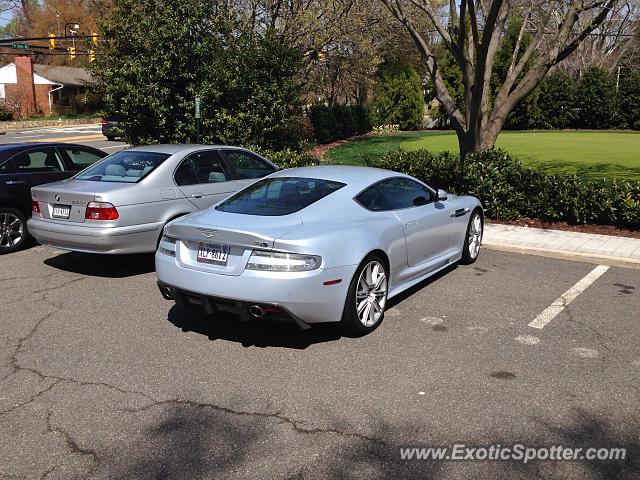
[104, 121]
[101, 211]
[35, 207]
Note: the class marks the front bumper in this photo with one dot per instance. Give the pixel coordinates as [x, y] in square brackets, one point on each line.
[95, 239]
[303, 295]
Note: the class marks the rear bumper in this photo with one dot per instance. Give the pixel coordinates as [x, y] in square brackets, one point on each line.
[303, 296]
[83, 238]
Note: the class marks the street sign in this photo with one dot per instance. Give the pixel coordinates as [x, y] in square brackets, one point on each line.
[197, 107]
[20, 46]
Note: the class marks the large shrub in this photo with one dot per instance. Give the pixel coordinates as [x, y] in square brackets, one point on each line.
[398, 96]
[337, 122]
[596, 99]
[556, 101]
[159, 56]
[630, 99]
[5, 114]
[510, 191]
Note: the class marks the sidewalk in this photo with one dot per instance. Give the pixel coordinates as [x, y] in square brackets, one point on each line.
[557, 243]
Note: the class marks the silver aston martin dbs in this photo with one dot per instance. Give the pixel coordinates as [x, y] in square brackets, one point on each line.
[317, 244]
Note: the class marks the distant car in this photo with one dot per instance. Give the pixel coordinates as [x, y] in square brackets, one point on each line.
[119, 205]
[317, 244]
[110, 129]
[25, 165]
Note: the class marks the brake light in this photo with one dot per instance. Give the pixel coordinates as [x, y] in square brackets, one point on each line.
[104, 121]
[35, 207]
[101, 211]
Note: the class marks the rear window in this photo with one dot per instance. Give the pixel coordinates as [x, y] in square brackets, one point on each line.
[279, 196]
[125, 166]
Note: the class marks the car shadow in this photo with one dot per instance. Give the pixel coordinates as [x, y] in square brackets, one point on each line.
[107, 266]
[253, 333]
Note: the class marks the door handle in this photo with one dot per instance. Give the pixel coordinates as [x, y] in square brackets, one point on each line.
[15, 182]
[196, 195]
[410, 224]
[460, 212]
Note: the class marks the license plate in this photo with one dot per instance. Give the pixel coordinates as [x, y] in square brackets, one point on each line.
[61, 211]
[213, 253]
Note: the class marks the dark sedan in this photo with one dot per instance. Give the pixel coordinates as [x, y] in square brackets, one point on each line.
[25, 165]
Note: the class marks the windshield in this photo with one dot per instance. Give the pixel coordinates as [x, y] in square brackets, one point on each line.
[126, 166]
[279, 196]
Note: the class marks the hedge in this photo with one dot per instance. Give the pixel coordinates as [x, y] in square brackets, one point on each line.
[510, 191]
[337, 122]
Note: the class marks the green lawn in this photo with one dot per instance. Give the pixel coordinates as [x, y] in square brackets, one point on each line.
[587, 153]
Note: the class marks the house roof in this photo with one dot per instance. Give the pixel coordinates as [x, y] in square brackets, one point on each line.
[67, 76]
[8, 75]
[49, 75]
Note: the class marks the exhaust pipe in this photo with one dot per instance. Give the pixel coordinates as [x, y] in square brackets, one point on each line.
[256, 311]
[166, 293]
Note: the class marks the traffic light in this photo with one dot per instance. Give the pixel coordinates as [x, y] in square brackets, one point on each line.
[72, 53]
[52, 41]
[92, 55]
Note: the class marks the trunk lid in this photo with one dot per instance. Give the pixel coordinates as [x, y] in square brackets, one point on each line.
[73, 194]
[236, 234]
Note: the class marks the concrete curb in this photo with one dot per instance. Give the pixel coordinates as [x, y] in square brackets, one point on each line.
[565, 255]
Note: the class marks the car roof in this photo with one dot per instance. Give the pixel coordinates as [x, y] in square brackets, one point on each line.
[26, 145]
[349, 174]
[171, 148]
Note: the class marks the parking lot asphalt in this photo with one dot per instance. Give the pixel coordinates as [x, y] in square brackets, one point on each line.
[102, 378]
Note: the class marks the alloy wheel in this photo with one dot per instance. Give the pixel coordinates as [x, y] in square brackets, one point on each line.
[11, 230]
[371, 294]
[475, 236]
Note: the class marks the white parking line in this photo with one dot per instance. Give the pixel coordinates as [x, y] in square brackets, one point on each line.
[29, 136]
[567, 297]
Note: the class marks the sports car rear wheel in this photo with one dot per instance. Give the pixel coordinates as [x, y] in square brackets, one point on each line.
[367, 296]
[473, 239]
[13, 230]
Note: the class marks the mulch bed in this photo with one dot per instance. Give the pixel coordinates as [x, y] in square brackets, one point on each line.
[599, 229]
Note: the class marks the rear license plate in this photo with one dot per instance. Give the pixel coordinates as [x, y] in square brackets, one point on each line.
[61, 211]
[213, 253]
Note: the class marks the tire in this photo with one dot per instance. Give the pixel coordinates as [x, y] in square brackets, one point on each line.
[13, 230]
[473, 238]
[110, 138]
[371, 315]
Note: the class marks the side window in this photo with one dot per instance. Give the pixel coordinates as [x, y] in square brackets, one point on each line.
[372, 199]
[81, 158]
[38, 161]
[404, 193]
[7, 167]
[248, 165]
[201, 167]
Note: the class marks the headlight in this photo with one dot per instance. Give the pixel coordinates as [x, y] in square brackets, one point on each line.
[282, 262]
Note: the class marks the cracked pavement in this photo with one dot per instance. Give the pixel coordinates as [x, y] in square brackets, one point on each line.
[102, 378]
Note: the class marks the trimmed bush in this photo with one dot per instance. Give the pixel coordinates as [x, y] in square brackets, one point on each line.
[337, 122]
[596, 99]
[556, 100]
[5, 114]
[630, 99]
[509, 191]
[286, 158]
[398, 97]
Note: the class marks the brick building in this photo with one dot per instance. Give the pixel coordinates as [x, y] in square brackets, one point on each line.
[26, 89]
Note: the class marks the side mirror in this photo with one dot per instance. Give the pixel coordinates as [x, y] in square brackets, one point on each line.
[419, 201]
[441, 194]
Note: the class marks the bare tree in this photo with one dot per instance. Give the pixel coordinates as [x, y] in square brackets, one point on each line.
[473, 31]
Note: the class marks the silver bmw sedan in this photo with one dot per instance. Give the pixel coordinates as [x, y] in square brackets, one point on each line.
[317, 244]
[121, 203]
